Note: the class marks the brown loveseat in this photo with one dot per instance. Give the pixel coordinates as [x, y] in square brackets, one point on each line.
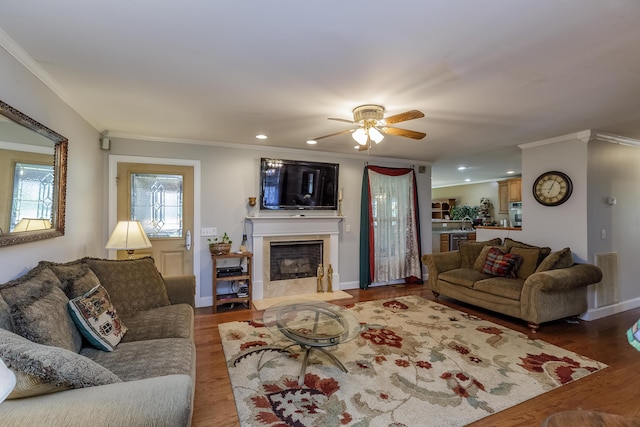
[545, 285]
[65, 378]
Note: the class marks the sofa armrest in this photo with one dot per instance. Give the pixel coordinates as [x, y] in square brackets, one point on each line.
[181, 289]
[165, 401]
[439, 263]
[564, 279]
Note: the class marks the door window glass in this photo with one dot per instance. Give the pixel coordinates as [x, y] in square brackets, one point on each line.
[156, 201]
[32, 192]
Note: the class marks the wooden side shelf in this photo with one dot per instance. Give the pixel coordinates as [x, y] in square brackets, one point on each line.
[246, 276]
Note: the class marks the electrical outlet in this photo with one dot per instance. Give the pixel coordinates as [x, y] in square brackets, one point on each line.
[347, 228]
[208, 231]
[603, 234]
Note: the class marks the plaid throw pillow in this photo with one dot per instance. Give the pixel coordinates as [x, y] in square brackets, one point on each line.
[501, 264]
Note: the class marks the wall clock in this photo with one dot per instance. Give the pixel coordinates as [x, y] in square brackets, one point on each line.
[552, 188]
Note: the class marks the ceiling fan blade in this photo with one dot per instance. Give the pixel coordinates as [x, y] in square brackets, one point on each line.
[340, 120]
[334, 134]
[403, 117]
[403, 132]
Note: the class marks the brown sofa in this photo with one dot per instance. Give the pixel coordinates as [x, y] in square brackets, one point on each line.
[65, 379]
[545, 285]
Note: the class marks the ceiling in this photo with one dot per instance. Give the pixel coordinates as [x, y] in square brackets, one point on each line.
[488, 75]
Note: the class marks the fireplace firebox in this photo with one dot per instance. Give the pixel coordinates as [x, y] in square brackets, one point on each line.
[294, 259]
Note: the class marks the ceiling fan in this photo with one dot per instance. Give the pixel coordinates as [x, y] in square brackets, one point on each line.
[372, 125]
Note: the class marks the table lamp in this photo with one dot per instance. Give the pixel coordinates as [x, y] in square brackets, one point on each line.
[32, 224]
[128, 236]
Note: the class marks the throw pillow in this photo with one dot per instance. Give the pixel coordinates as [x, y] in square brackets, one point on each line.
[544, 251]
[60, 368]
[38, 309]
[76, 277]
[97, 320]
[560, 259]
[529, 260]
[133, 285]
[469, 251]
[501, 264]
[479, 264]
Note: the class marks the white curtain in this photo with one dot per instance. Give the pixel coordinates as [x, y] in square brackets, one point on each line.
[395, 228]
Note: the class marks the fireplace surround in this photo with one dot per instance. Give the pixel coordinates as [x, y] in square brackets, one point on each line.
[266, 230]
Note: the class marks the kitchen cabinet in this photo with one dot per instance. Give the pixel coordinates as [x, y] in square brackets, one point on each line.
[509, 190]
[503, 197]
[445, 240]
[515, 189]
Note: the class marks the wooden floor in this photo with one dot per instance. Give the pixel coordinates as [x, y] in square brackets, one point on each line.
[615, 389]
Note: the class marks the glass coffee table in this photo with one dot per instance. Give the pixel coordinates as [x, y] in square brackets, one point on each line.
[312, 325]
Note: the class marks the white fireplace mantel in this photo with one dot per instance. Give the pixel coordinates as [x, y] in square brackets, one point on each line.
[291, 226]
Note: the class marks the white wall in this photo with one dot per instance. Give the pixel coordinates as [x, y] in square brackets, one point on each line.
[614, 171]
[230, 174]
[85, 175]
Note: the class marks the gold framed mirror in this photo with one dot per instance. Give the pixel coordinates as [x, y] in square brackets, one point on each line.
[33, 179]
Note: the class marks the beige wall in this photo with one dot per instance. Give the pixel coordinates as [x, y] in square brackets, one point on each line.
[85, 229]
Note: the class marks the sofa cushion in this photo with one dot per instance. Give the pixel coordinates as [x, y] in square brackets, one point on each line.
[145, 359]
[96, 319]
[500, 264]
[5, 315]
[529, 263]
[39, 309]
[501, 286]
[171, 321]
[56, 366]
[462, 276]
[469, 251]
[76, 277]
[559, 259]
[133, 285]
[544, 251]
[483, 256]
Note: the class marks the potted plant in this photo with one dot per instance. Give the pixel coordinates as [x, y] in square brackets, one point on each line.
[220, 245]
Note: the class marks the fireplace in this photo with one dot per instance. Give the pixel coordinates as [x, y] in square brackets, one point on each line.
[294, 259]
[272, 233]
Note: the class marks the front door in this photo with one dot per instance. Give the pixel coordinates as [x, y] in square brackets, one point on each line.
[161, 198]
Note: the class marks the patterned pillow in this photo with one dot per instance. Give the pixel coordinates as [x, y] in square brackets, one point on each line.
[501, 264]
[96, 319]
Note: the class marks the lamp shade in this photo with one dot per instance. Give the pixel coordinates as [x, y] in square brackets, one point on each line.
[32, 224]
[376, 135]
[360, 136]
[7, 381]
[128, 235]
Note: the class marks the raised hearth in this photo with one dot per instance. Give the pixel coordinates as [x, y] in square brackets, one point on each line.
[304, 230]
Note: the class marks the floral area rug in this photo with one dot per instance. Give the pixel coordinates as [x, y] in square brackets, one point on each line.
[415, 363]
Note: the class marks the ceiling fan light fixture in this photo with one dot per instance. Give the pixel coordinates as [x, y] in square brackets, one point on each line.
[360, 136]
[375, 135]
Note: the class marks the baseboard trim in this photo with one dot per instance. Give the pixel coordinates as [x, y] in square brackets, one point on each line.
[600, 312]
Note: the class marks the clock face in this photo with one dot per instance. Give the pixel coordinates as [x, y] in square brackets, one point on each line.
[552, 188]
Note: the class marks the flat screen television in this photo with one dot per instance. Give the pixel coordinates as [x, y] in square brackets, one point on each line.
[297, 184]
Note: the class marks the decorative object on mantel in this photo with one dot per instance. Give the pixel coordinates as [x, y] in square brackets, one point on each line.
[252, 204]
[220, 245]
[340, 202]
[128, 236]
[330, 278]
[320, 276]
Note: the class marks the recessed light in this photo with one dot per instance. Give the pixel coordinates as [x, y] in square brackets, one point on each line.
[261, 136]
[312, 142]
[510, 172]
[467, 180]
[461, 168]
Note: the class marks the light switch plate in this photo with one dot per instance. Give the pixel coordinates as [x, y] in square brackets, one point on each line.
[208, 231]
